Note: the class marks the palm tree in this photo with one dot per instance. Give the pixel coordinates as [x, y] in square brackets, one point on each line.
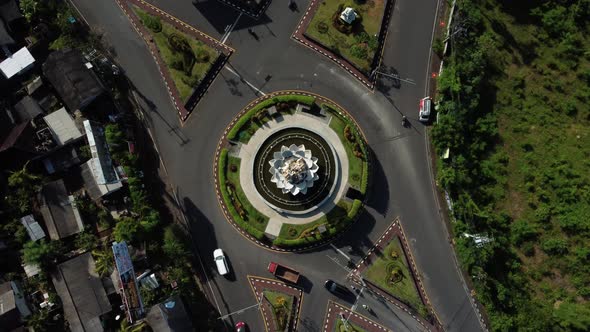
[104, 260]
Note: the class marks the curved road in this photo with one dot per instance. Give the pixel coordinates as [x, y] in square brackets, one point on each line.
[402, 183]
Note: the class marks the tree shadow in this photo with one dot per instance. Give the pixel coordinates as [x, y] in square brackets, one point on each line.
[378, 196]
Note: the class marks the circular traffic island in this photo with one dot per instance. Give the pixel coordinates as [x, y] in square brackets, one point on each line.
[292, 171]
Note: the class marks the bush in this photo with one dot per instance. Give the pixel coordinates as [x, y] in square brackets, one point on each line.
[243, 120]
[203, 56]
[127, 229]
[152, 22]
[222, 169]
[354, 210]
[322, 27]
[359, 51]
[554, 246]
[86, 241]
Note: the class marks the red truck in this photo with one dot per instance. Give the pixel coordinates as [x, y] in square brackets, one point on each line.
[283, 272]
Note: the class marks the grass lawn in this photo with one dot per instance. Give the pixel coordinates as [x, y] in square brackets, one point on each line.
[255, 218]
[356, 166]
[339, 327]
[322, 29]
[334, 217]
[282, 305]
[201, 56]
[404, 289]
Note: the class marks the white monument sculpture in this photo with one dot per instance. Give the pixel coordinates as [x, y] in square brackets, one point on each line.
[348, 15]
[294, 169]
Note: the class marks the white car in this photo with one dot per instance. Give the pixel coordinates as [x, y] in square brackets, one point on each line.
[425, 107]
[220, 261]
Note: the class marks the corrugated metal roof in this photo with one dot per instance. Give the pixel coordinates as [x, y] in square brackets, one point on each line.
[19, 61]
[33, 228]
[62, 126]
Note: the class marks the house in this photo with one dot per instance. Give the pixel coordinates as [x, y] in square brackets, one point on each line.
[26, 110]
[98, 173]
[59, 211]
[77, 85]
[169, 316]
[17, 63]
[33, 228]
[82, 294]
[13, 306]
[62, 127]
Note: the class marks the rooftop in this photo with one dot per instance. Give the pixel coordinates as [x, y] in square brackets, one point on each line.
[76, 84]
[17, 62]
[82, 294]
[33, 228]
[170, 315]
[26, 110]
[62, 127]
[59, 211]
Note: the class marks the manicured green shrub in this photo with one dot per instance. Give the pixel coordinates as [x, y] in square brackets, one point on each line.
[354, 210]
[203, 56]
[152, 22]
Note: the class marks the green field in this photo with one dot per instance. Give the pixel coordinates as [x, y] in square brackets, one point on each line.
[515, 115]
[364, 35]
[186, 69]
[380, 271]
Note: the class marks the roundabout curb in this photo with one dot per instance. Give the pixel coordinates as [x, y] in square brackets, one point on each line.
[223, 141]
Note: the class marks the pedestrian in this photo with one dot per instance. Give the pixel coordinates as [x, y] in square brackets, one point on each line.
[250, 31]
[366, 307]
[353, 288]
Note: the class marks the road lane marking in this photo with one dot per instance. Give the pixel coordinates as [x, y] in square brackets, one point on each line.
[226, 35]
[243, 80]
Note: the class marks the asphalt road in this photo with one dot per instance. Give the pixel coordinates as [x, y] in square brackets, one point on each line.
[402, 183]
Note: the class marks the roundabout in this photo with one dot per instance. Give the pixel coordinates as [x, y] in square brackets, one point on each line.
[292, 171]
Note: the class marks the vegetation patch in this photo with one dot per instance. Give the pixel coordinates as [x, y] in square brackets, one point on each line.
[187, 59]
[514, 113]
[348, 327]
[282, 308]
[391, 272]
[357, 42]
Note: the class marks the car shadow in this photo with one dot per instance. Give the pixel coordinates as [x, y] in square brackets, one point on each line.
[305, 284]
[230, 276]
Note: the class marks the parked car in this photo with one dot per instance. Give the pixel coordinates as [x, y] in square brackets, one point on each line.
[241, 327]
[220, 261]
[425, 108]
[337, 289]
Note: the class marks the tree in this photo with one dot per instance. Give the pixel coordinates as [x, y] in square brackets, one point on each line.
[41, 252]
[22, 185]
[572, 316]
[104, 260]
[85, 241]
[175, 246]
[127, 229]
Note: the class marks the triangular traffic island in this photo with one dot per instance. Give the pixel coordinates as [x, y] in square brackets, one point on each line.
[280, 304]
[188, 60]
[389, 270]
[339, 318]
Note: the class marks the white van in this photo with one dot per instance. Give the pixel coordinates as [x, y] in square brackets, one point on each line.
[425, 106]
[219, 258]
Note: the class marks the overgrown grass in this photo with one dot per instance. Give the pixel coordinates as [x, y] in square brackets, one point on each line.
[379, 273]
[184, 80]
[519, 166]
[322, 29]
